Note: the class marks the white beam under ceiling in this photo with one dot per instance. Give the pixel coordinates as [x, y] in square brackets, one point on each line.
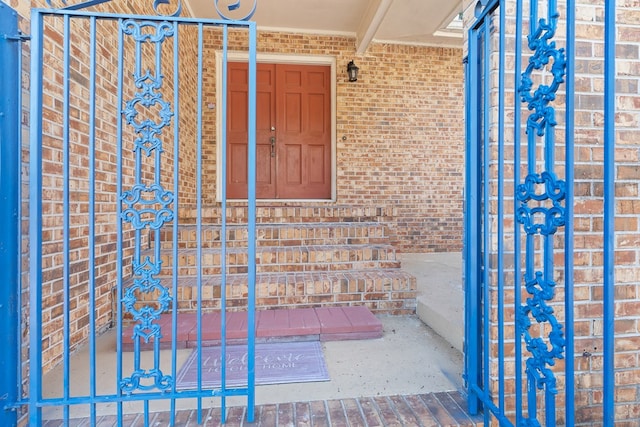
[370, 23]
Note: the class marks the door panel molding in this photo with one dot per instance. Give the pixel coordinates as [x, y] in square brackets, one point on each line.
[278, 59]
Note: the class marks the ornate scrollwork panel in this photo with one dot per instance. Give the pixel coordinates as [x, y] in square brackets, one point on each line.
[541, 198]
[147, 204]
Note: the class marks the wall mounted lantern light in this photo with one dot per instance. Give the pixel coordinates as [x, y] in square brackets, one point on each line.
[352, 71]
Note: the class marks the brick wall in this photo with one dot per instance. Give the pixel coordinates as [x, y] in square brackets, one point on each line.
[399, 133]
[404, 143]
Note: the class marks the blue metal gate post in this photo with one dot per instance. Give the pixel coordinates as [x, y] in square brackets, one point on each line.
[471, 244]
[9, 207]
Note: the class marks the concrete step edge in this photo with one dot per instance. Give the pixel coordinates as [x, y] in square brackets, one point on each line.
[442, 322]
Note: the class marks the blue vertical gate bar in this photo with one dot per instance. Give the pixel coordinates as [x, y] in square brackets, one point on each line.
[251, 218]
[35, 221]
[199, 223]
[609, 211]
[10, 107]
[66, 34]
[500, 212]
[251, 223]
[223, 225]
[569, 227]
[119, 240]
[517, 245]
[472, 400]
[465, 228]
[176, 221]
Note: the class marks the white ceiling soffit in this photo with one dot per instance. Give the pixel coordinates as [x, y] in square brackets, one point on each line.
[417, 22]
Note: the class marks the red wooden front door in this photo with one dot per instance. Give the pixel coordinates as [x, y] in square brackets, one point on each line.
[293, 138]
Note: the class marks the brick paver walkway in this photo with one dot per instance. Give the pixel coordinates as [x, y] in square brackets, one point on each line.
[428, 410]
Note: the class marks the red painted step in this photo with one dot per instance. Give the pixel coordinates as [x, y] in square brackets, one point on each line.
[325, 324]
[344, 323]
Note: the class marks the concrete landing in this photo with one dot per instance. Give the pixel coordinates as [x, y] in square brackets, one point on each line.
[440, 302]
[324, 324]
[409, 359]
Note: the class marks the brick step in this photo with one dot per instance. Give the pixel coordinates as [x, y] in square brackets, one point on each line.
[381, 290]
[324, 324]
[238, 214]
[283, 259]
[299, 234]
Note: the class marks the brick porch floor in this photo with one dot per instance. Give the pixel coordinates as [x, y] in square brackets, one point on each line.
[428, 410]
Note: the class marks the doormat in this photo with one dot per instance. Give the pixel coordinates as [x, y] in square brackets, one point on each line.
[275, 363]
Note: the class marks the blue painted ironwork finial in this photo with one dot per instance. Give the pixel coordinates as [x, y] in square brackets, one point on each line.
[157, 3]
[236, 6]
[480, 7]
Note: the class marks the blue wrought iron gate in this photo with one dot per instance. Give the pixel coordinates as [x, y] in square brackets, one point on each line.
[519, 231]
[118, 139]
